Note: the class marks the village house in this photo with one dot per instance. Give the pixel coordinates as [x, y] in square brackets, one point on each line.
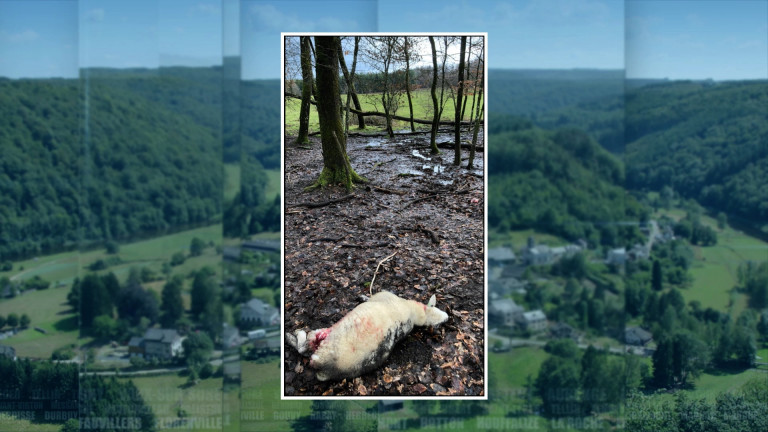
[505, 286]
[157, 343]
[537, 255]
[500, 256]
[230, 337]
[533, 321]
[562, 330]
[616, 257]
[258, 313]
[505, 311]
[8, 351]
[637, 336]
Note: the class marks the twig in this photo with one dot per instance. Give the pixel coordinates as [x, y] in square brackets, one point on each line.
[321, 204]
[326, 239]
[413, 201]
[389, 191]
[370, 287]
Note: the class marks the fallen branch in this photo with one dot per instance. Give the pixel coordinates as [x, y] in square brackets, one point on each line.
[326, 239]
[380, 244]
[414, 201]
[321, 204]
[370, 287]
[389, 191]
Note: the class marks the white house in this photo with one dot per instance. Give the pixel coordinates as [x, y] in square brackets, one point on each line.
[533, 321]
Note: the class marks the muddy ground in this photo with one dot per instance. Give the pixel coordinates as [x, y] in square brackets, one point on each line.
[432, 218]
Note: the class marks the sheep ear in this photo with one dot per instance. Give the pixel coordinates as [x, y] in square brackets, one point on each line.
[432, 301]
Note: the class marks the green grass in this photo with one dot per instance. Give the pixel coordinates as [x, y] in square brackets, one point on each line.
[273, 186]
[16, 425]
[511, 369]
[708, 386]
[520, 238]
[167, 394]
[231, 181]
[48, 309]
[422, 109]
[260, 390]
[715, 268]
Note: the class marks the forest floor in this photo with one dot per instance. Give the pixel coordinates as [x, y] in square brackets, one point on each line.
[432, 219]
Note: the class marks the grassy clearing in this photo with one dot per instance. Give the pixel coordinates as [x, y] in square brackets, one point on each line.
[708, 386]
[273, 186]
[511, 369]
[520, 238]
[422, 109]
[48, 309]
[261, 407]
[715, 268]
[231, 181]
[16, 425]
[167, 395]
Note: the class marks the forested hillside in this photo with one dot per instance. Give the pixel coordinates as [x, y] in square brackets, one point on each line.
[706, 141]
[590, 100]
[559, 181]
[121, 154]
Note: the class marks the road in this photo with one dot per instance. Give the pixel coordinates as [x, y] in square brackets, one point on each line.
[516, 342]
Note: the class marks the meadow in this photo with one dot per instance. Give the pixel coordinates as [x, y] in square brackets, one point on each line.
[48, 309]
[422, 109]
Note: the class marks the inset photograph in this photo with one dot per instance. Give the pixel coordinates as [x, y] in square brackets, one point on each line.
[384, 181]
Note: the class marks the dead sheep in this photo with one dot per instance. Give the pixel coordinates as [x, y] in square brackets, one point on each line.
[362, 340]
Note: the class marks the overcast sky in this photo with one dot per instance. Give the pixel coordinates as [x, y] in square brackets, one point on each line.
[652, 39]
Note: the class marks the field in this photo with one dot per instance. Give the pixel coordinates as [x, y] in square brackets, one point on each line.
[48, 309]
[168, 396]
[232, 182]
[715, 269]
[422, 109]
[518, 239]
[261, 407]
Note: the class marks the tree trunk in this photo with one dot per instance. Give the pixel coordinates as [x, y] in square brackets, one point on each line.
[306, 91]
[336, 167]
[435, 108]
[459, 93]
[478, 97]
[350, 84]
[408, 80]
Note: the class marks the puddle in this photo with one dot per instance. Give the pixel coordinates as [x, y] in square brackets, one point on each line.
[437, 169]
[410, 172]
[374, 142]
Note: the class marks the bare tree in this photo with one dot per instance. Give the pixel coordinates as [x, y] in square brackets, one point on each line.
[459, 93]
[407, 54]
[383, 54]
[478, 118]
[435, 108]
[336, 166]
[349, 78]
[306, 91]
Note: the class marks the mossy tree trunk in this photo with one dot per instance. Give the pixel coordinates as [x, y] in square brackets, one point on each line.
[336, 167]
[306, 91]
